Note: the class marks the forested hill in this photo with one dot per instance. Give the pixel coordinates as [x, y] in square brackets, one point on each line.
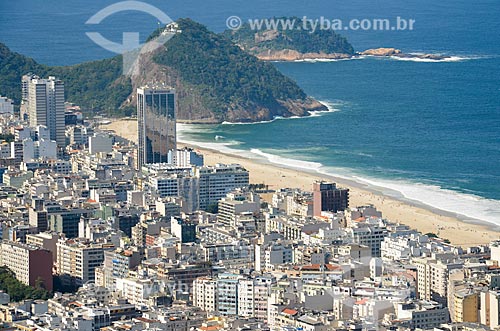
[215, 80]
[290, 43]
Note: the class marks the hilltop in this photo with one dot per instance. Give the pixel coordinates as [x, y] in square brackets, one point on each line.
[216, 80]
[290, 44]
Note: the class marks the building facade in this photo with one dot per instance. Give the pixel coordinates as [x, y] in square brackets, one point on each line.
[32, 265]
[327, 197]
[45, 105]
[156, 115]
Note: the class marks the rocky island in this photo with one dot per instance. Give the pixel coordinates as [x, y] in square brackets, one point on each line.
[291, 45]
[299, 45]
[393, 52]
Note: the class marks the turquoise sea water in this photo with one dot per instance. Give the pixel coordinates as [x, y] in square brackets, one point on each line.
[427, 130]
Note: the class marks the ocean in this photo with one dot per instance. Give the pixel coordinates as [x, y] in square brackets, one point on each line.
[425, 131]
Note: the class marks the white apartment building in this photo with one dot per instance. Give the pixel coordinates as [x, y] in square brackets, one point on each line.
[397, 248]
[227, 294]
[185, 157]
[300, 204]
[422, 315]
[44, 149]
[253, 295]
[177, 185]
[199, 187]
[293, 202]
[495, 251]
[138, 291]
[78, 259]
[45, 103]
[205, 294]
[268, 257]
[236, 203]
[246, 298]
[433, 276]
[217, 181]
[231, 294]
[369, 235]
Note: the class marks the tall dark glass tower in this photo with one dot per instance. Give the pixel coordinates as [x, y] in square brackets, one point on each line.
[156, 118]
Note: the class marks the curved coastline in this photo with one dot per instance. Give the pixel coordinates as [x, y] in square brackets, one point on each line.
[460, 229]
[412, 193]
[464, 206]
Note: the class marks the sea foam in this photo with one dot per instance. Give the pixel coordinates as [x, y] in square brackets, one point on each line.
[447, 59]
[468, 206]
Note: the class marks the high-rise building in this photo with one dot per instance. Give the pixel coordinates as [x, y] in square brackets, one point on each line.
[327, 197]
[44, 100]
[217, 181]
[32, 265]
[77, 260]
[205, 293]
[156, 114]
[433, 276]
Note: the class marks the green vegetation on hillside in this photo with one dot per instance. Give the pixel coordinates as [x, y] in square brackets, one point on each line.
[17, 290]
[301, 40]
[96, 85]
[12, 67]
[215, 79]
[224, 74]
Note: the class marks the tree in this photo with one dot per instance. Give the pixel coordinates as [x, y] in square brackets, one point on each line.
[17, 290]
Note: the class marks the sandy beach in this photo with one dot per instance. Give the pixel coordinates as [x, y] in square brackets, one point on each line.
[424, 220]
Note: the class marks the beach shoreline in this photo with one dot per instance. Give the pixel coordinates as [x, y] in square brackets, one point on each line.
[460, 230]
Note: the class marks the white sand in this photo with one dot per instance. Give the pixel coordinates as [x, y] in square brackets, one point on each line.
[422, 219]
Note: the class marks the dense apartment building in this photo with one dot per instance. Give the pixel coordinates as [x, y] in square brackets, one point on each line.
[237, 203]
[77, 260]
[328, 197]
[32, 265]
[433, 276]
[44, 99]
[217, 181]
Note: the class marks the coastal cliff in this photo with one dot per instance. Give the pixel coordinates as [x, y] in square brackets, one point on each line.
[293, 55]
